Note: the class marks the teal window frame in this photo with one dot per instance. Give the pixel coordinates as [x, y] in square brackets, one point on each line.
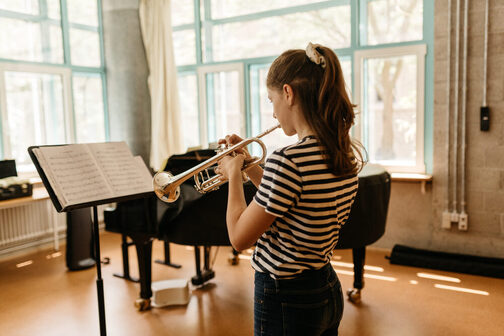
[81, 70]
[358, 11]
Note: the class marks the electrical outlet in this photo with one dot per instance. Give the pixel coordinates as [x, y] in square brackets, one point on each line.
[454, 217]
[446, 220]
[462, 225]
[484, 118]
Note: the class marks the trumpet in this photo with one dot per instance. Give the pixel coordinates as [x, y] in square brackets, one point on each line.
[167, 187]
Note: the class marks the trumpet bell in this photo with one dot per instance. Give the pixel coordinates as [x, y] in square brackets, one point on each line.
[164, 187]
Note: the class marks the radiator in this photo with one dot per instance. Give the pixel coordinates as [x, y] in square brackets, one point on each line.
[33, 224]
[29, 225]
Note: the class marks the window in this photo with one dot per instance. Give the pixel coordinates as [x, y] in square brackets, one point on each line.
[262, 113]
[389, 83]
[225, 41]
[222, 100]
[389, 21]
[188, 92]
[52, 76]
[88, 107]
[34, 99]
[31, 31]
[385, 50]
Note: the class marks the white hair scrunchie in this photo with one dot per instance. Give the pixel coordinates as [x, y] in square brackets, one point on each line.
[314, 55]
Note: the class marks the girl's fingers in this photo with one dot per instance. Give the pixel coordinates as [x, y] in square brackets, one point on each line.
[233, 139]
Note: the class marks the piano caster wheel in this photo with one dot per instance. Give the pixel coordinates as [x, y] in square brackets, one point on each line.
[142, 304]
[354, 295]
[233, 259]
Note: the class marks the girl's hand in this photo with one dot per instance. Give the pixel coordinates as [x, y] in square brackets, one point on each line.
[231, 140]
[231, 166]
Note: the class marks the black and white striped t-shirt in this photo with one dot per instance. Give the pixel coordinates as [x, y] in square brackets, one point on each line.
[310, 203]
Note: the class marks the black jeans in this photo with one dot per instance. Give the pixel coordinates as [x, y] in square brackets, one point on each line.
[311, 304]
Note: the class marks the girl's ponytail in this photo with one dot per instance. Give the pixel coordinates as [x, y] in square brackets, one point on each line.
[336, 116]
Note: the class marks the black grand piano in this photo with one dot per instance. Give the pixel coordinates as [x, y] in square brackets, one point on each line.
[199, 220]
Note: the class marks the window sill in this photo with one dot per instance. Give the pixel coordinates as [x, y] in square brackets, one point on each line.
[423, 179]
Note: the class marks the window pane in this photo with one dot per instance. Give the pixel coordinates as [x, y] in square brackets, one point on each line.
[88, 108]
[26, 7]
[188, 93]
[53, 9]
[346, 67]
[263, 109]
[32, 7]
[182, 12]
[223, 104]
[271, 36]
[184, 46]
[31, 41]
[394, 21]
[226, 8]
[34, 112]
[390, 110]
[85, 48]
[83, 12]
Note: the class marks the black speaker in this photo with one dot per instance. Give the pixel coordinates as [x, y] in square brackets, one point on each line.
[79, 247]
[7, 168]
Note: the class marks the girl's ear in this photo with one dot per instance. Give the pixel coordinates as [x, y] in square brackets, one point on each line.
[288, 94]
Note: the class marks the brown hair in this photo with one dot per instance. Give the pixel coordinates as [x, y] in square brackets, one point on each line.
[324, 102]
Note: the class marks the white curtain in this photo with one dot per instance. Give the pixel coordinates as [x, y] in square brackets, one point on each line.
[166, 137]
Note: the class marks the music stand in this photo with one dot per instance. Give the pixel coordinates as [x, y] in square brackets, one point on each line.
[95, 230]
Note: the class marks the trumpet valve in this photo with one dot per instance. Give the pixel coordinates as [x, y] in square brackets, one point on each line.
[249, 160]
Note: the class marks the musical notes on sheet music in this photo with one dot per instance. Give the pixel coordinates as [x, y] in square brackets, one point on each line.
[121, 169]
[76, 173]
[81, 173]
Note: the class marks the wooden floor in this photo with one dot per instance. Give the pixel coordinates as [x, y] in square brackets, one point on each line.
[43, 298]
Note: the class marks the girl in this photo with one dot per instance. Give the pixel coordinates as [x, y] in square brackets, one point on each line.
[304, 196]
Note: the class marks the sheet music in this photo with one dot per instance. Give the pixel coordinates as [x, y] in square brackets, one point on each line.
[52, 182]
[75, 176]
[82, 173]
[126, 174]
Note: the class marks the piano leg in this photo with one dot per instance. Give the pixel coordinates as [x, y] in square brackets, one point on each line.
[143, 244]
[125, 256]
[359, 256]
[167, 258]
[202, 276]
